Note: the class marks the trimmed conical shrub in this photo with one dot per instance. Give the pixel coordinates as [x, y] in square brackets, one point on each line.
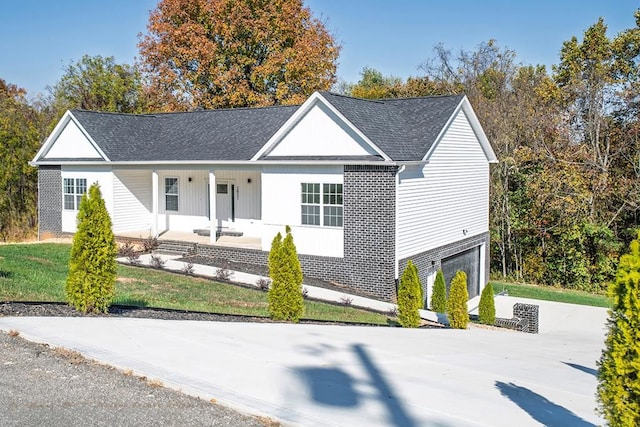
[91, 281]
[487, 308]
[457, 301]
[409, 297]
[286, 301]
[619, 366]
[439, 294]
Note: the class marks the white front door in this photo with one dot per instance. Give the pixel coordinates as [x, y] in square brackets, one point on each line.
[225, 206]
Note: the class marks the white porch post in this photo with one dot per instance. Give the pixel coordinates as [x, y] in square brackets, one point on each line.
[213, 223]
[154, 203]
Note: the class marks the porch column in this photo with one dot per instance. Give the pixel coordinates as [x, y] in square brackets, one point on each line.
[213, 223]
[154, 203]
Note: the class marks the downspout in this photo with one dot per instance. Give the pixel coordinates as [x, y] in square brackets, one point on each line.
[397, 261]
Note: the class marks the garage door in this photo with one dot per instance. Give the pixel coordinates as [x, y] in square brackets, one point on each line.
[467, 261]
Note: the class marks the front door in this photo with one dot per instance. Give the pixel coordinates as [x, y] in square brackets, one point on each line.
[225, 203]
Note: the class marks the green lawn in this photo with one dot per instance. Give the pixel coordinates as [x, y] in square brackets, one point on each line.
[551, 294]
[37, 272]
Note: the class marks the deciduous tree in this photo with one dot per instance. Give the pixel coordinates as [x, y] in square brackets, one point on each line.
[21, 131]
[99, 84]
[235, 53]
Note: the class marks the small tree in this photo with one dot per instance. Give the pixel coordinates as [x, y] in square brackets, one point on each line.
[285, 297]
[91, 281]
[439, 294]
[487, 308]
[409, 297]
[457, 302]
[619, 365]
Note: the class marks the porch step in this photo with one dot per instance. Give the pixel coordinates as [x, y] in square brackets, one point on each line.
[175, 247]
[207, 232]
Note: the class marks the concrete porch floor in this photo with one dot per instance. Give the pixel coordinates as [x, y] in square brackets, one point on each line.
[243, 242]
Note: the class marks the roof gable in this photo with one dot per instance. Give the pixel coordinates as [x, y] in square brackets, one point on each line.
[318, 131]
[70, 141]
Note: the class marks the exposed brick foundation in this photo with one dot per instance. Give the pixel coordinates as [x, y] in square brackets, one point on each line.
[369, 237]
[430, 261]
[49, 200]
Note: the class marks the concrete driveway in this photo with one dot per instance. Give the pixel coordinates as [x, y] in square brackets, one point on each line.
[337, 376]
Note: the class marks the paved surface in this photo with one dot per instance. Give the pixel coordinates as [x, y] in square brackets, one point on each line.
[314, 375]
[40, 386]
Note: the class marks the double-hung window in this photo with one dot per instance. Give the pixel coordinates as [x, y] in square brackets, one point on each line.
[332, 204]
[321, 204]
[73, 189]
[310, 204]
[171, 194]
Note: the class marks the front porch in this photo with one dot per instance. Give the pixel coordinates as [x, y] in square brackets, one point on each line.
[240, 242]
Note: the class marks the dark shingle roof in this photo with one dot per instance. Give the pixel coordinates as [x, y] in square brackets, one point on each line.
[404, 129]
[233, 134]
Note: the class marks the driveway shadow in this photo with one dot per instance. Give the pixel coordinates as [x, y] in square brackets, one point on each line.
[333, 386]
[540, 408]
[330, 386]
[583, 368]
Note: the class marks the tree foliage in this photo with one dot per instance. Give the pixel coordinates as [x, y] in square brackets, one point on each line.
[439, 294]
[21, 130]
[619, 365]
[457, 301]
[235, 53]
[409, 297]
[487, 307]
[99, 84]
[91, 281]
[286, 301]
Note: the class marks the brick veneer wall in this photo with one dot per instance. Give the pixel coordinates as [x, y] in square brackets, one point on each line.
[49, 200]
[429, 262]
[367, 267]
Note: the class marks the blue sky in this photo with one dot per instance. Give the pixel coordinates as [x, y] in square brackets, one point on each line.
[38, 38]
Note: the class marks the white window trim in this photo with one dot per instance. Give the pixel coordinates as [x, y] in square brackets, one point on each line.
[321, 205]
[77, 195]
[176, 194]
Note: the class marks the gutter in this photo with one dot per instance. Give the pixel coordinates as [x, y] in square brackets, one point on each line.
[209, 163]
[397, 261]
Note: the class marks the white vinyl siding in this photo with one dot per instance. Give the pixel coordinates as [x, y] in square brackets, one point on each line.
[102, 175]
[281, 195]
[131, 201]
[320, 132]
[448, 200]
[72, 143]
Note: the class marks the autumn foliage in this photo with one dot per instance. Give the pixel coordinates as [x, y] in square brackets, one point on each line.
[235, 53]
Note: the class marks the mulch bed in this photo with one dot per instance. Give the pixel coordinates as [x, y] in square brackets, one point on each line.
[54, 309]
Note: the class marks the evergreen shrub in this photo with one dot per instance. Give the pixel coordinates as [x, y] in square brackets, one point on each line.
[91, 281]
[439, 294]
[286, 301]
[487, 308]
[409, 297]
[619, 366]
[457, 301]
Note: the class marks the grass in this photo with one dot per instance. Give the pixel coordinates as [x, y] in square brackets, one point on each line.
[548, 293]
[37, 272]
